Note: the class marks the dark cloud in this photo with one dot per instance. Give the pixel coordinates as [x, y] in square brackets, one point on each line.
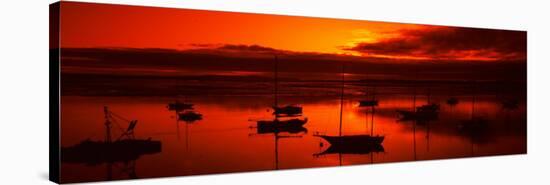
[451, 43]
[146, 62]
[258, 51]
[252, 48]
[235, 50]
[200, 45]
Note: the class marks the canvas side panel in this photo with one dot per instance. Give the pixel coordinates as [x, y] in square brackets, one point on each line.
[54, 92]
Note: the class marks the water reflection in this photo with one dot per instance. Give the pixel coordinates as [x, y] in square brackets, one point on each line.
[289, 131]
[223, 142]
[286, 119]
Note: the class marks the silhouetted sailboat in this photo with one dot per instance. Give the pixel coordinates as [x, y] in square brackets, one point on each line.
[429, 106]
[184, 111]
[475, 122]
[286, 117]
[421, 114]
[286, 110]
[452, 101]
[189, 116]
[369, 102]
[125, 148]
[476, 128]
[179, 106]
[281, 125]
[351, 144]
[432, 107]
[510, 104]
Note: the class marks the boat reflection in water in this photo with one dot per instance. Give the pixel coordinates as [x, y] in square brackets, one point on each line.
[421, 115]
[184, 111]
[125, 149]
[452, 101]
[289, 131]
[277, 126]
[189, 116]
[219, 142]
[510, 104]
[222, 140]
[476, 128]
[290, 125]
[355, 144]
[287, 119]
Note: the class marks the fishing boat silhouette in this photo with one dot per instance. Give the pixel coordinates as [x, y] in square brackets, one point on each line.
[179, 106]
[125, 150]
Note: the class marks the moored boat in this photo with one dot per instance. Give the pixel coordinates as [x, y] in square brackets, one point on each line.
[352, 139]
[179, 106]
[368, 103]
[189, 116]
[124, 149]
[452, 101]
[287, 110]
[432, 107]
[97, 152]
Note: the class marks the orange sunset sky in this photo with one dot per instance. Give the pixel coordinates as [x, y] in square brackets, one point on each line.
[85, 25]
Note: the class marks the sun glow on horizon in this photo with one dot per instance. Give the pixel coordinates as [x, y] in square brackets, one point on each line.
[88, 25]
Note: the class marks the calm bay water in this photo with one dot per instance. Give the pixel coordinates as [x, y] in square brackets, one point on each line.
[226, 139]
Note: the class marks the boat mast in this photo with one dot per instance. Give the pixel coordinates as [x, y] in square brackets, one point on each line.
[341, 101]
[474, 91]
[177, 124]
[414, 87]
[414, 139]
[414, 109]
[373, 93]
[276, 151]
[108, 125]
[341, 110]
[473, 99]
[372, 115]
[414, 99]
[366, 120]
[429, 96]
[275, 77]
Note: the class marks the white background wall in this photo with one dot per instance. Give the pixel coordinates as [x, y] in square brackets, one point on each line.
[24, 90]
